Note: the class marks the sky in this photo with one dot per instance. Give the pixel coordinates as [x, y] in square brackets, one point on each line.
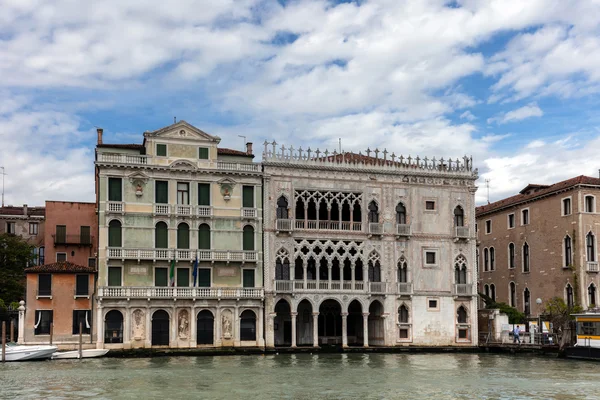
[515, 84]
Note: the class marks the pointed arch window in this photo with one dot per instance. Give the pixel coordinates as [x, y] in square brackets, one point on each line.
[493, 292]
[461, 315]
[374, 269]
[492, 259]
[570, 298]
[592, 295]
[486, 259]
[525, 257]
[460, 270]
[161, 235]
[402, 271]
[401, 214]
[568, 251]
[459, 216]
[282, 208]
[590, 247]
[183, 236]
[204, 237]
[114, 233]
[373, 212]
[526, 302]
[282, 268]
[403, 314]
[486, 290]
[511, 255]
[512, 289]
[248, 238]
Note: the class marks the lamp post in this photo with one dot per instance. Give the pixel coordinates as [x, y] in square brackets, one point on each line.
[538, 301]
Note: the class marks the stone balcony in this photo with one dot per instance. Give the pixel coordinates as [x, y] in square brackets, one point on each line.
[463, 289]
[143, 160]
[293, 286]
[462, 232]
[123, 253]
[161, 292]
[592, 266]
[403, 230]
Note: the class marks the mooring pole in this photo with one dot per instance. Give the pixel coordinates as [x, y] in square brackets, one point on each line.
[80, 339]
[12, 330]
[3, 341]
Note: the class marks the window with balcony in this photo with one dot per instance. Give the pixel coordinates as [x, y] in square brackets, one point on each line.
[568, 251]
[282, 269]
[248, 278]
[161, 235]
[248, 196]
[183, 193]
[248, 238]
[590, 246]
[511, 255]
[511, 221]
[161, 150]
[33, 228]
[114, 233]
[460, 271]
[204, 277]
[401, 214]
[60, 237]
[526, 302]
[204, 194]
[203, 153]
[161, 192]
[43, 320]
[115, 189]
[525, 257]
[183, 236]
[85, 235]
[282, 208]
[82, 285]
[492, 259]
[374, 270]
[204, 237]
[161, 276]
[183, 277]
[11, 228]
[402, 271]
[44, 285]
[373, 212]
[590, 204]
[512, 294]
[82, 317]
[566, 206]
[114, 276]
[525, 217]
[459, 216]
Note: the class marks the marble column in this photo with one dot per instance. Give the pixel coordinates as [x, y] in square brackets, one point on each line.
[261, 328]
[294, 314]
[218, 341]
[366, 329]
[127, 328]
[193, 328]
[21, 334]
[315, 329]
[99, 326]
[148, 331]
[344, 329]
[236, 327]
[270, 335]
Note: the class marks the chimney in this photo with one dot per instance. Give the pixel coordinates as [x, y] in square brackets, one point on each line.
[249, 148]
[99, 130]
[25, 209]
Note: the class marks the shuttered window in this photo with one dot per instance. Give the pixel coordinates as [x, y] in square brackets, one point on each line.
[203, 194]
[114, 189]
[248, 278]
[85, 236]
[82, 284]
[114, 276]
[161, 277]
[203, 153]
[183, 236]
[248, 239]
[114, 233]
[203, 277]
[161, 194]
[161, 150]
[161, 236]
[248, 196]
[183, 277]
[204, 237]
[61, 234]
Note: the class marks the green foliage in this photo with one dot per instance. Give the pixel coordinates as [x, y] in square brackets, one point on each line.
[557, 312]
[514, 316]
[2, 305]
[15, 253]
[15, 305]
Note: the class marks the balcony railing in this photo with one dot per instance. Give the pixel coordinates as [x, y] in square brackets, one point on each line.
[231, 166]
[121, 253]
[248, 212]
[405, 288]
[592, 266]
[375, 228]
[328, 225]
[403, 229]
[463, 289]
[184, 210]
[162, 209]
[377, 287]
[204, 211]
[120, 158]
[158, 292]
[284, 225]
[114, 207]
[462, 232]
[79, 240]
[289, 286]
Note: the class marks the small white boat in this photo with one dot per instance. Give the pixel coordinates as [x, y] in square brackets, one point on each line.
[17, 352]
[88, 353]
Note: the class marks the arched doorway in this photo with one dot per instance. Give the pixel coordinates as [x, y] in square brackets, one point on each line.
[205, 325]
[355, 324]
[283, 324]
[160, 328]
[304, 324]
[376, 331]
[248, 326]
[113, 327]
[330, 323]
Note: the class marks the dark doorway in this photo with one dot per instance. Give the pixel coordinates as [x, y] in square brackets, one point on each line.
[283, 324]
[355, 324]
[330, 323]
[160, 328]
[205, 327]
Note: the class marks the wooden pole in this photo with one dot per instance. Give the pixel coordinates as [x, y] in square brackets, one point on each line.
[51, 331]
[12, 330]
[3, 341]
[80, 339]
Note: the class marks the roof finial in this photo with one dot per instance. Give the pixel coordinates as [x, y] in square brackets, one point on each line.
[174, 120]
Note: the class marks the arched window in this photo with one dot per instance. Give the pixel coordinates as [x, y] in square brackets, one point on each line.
[525, 257]
[511, 255]
[461, 315]
[114, 233]
[570, 299]
[161, 235]
[403, 314]
[248, 325]
[486, 290]
[512, 290]
[492, 259]
[592, 295]
[401, 214]
[204, 237]
[183, 236]
[373, 212]
[402, 270]
[486, 259]
[589, 204]
[493, 292]
[568, 251]
[282, 208]
[113, 327]
[374, 268]
[590, 246]
[282, 269]
[459, 216]
[460, 270]
[526, 302]
[248, 238]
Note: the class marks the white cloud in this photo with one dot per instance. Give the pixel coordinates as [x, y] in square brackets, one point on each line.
[528, 111]
[468, 116]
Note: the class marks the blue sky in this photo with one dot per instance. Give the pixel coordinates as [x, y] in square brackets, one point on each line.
[514, 84]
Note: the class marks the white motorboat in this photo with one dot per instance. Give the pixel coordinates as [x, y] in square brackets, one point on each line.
[88, 353]
[17, 352]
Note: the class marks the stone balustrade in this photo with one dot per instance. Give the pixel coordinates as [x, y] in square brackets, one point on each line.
[161, 292]
[136, 159]
[123, 253]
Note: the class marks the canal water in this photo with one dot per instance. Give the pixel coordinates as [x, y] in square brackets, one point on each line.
[305, 376]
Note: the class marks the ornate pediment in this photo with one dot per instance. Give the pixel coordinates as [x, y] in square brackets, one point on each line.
[183, 165]
[182, 130]
[227, 186]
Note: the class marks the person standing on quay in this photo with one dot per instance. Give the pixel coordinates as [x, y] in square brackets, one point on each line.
[516, 337]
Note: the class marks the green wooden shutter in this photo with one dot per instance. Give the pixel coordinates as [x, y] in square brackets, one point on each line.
[183, 277]
[248, 196]
[161, 236]
[204, 237]
[114, 189]
[161, 150]
[249, 278]
[114, 234]
[203, 277]
[61, 234]
[161, 194]
[114, 276]
[248, 239]
[203, 194]
[183, 236]
[203, 153]
[161, 277]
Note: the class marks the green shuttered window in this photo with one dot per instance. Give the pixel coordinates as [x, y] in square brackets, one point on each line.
[161, 150]
[248, 197]
[183, 236]
[248, 240]
[161, 277]
[204, 237]
[204, 194]
[161, 195]
[183, 277]
[114, 276]
[203, 277]
[114, 233]
[161, 236]
[249, 278]
[203, 153]
[114, 189]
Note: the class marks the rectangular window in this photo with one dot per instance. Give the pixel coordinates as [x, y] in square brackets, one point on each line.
[42, 253]
[248, 278]
[161, 277]
[43, 320]
[114, 276]
[430, 205]
[183, 277]
[161, 150]
[92, 262]
[430, 257]
[61, 234]
[203, 153]
[83, 317]
[183, 193]
[10, 228]
[511, 221]
[85, 235]
[403, 333]
[566, 206]
[488, 226]
[82, 283]
[248, 197]
[203, 277]
[204, 194]
[161, 192]
[115, 189]
[524, 217]
[463, 333]
[432, 304]
[44, 285]
[61, 257]
[589, 204]
[33, 228]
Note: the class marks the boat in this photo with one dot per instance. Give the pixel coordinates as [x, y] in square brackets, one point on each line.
[17, 352]
[588, 337]
[88, 353]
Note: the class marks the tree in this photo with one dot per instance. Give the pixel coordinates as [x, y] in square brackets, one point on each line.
[514, 316]
[15, 254]
[559, 314]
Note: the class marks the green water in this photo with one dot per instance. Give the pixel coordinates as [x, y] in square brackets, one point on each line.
[304, 376]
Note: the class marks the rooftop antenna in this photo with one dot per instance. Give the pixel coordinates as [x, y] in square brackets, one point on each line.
[242, 136]
[174, 120]
[3, 173]
[487, 184]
